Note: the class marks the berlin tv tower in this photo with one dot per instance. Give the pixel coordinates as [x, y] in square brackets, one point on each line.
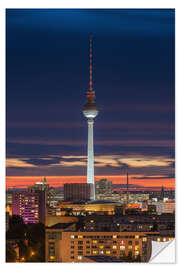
[90, 111]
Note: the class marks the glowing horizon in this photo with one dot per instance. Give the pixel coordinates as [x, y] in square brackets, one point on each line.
[58, 181]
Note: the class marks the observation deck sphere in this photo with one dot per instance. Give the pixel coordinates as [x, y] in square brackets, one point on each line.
[90, 110]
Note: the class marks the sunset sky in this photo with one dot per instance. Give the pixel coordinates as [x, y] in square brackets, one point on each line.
[47, 79]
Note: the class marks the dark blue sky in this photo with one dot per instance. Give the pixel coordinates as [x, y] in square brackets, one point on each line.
[47, 79]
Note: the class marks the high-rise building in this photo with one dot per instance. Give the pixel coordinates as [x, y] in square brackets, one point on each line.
[42, 186]
[90, 111]
[31, 206]
[103, 186]
[77, 192]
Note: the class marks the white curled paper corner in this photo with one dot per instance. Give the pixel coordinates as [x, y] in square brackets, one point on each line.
[163, 252]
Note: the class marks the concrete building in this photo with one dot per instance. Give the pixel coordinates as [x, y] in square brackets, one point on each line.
[79, 245]
[103, 186]
[31, 206]
[164, 207]
[77, 192]
[41, 186]
[8, 198]
[90, 111]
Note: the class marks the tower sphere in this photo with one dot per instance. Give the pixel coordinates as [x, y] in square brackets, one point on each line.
[90, 110]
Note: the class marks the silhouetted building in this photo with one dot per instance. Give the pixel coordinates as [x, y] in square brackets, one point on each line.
[162, 193]
[77, 192]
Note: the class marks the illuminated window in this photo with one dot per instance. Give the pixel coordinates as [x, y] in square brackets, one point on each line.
[164, 239]
[122, 247]
[80, 236]
[51, 257]
[137, 236]
[101, 247]
[158, 239]
[129, 247]
[94, 241]
[114, 247]
[101, 252]
[72, 236]
[144, 239]
[114, 236]
[79, 257]
[94, 251]
[91, 220]
[121, 242]
[136, 252]
[136, 247]
[108, 252]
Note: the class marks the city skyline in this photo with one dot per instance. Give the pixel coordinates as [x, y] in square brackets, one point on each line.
[134, 84]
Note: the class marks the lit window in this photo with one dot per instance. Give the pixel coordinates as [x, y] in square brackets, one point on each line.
[129, 247]
[94, 241]
[80, 236]
[114, 236]
[94, 251]
[164, 239]
[121, 242]
[52, 257]
[136, 247]
[101, 252]
[144, 239]
[91, 220]
[108, 252]
[114, 247]
[158, 239]
[137, 236]
[122, 247]
[72, 236]
[136, 252]
[101, 247]
[79, 257]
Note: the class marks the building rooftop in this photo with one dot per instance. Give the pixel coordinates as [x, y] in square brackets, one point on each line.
[61, 225]
[102, 202]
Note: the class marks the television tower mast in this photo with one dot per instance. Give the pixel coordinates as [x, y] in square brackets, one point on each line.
[90, 111]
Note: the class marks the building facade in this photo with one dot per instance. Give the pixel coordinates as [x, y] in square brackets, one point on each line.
[31, 206]
[104, 187]
[69, 246]
[77, 192]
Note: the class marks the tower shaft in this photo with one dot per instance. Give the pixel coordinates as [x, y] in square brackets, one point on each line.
[90, 111]
[90, 163]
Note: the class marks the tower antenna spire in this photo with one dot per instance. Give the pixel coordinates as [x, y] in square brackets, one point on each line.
[90, 64]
